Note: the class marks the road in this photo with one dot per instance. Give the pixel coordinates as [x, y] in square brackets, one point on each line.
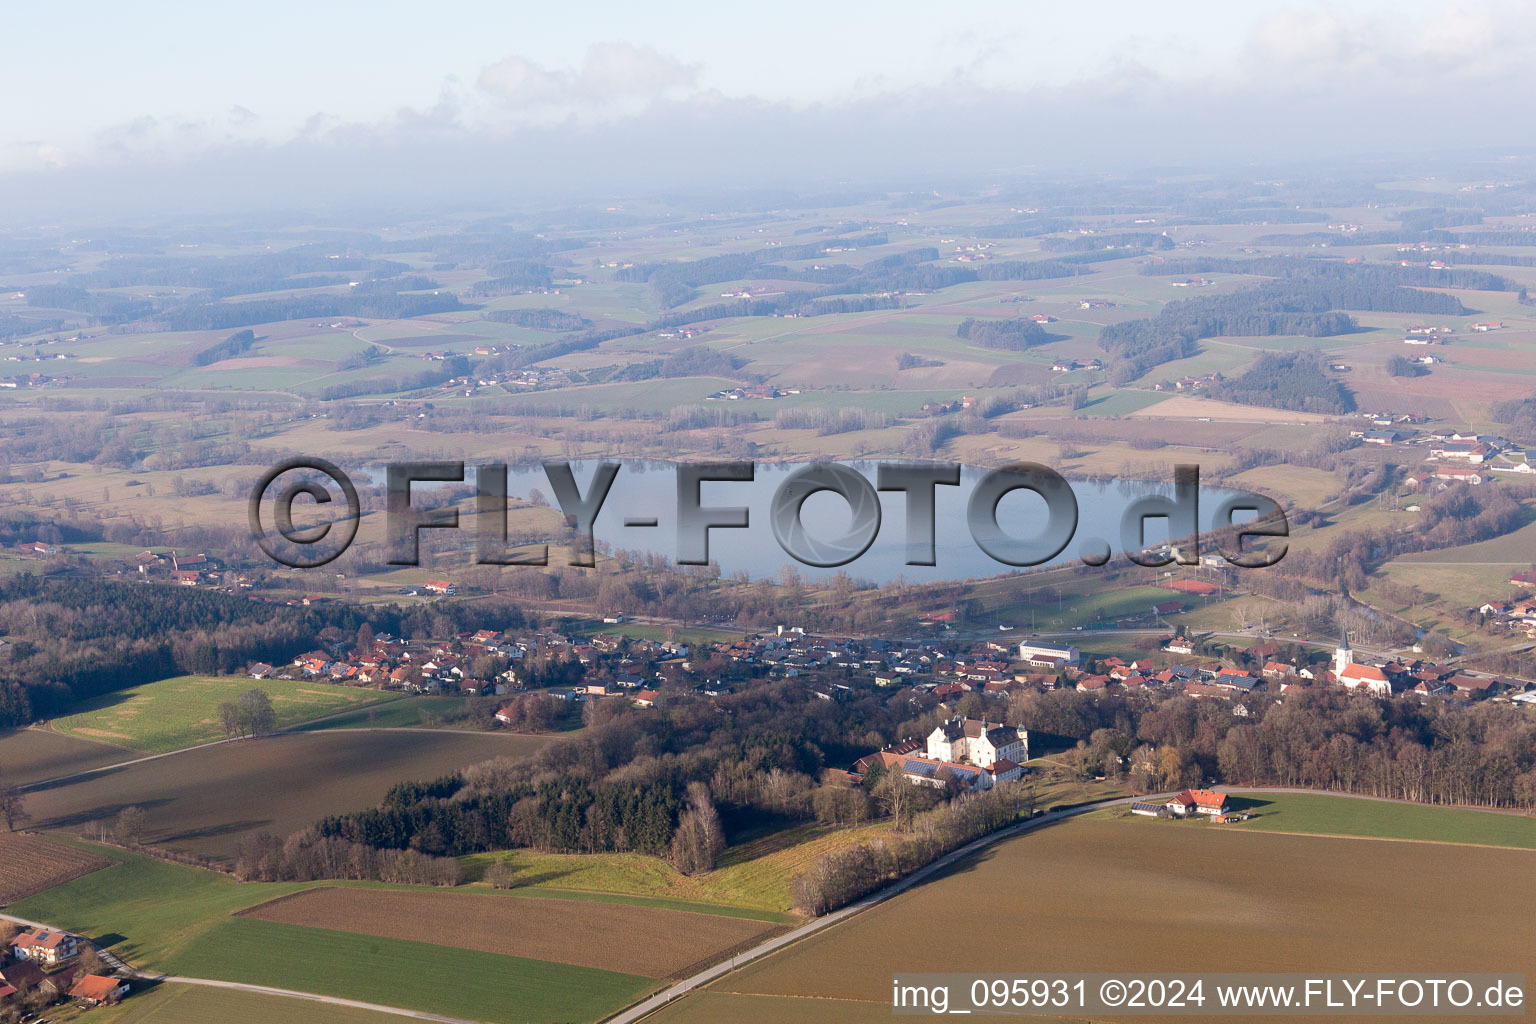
[648, 1006]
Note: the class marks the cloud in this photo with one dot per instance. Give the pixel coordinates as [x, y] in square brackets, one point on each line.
[610, 73]
[52, 156]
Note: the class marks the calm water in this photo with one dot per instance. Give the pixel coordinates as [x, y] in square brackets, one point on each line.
[650, 490]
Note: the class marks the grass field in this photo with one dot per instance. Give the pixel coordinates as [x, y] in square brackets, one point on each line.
[181, 712]
[405, 713]
[170, 1003]
[1343, 816]
[30, 864]
[206, 800]
[401, 972]
[647, 941]
[754, 875]
[1088, 893]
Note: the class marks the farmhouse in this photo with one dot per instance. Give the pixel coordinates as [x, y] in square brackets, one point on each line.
[441, 587]
[978, 742]
[46, 946]
[1197, 801]
[95, 989]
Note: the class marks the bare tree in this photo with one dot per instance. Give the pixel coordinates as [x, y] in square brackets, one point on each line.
[11, 808]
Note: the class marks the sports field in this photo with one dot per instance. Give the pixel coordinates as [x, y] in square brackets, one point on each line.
[181, 712]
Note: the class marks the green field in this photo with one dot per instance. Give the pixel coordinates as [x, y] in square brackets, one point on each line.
[405, 713]
[753, 875]
[399, 972]
[170, 1003]
[1319, 814]
[174, 713]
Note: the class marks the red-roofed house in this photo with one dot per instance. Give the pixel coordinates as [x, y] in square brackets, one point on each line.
[95, 989]
[45, 946]
[1198, 801]
[1366, 677]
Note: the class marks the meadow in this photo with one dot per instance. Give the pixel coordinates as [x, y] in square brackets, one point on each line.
[171, 714]
[172, 1003]
[1320, 814]
[402, 972]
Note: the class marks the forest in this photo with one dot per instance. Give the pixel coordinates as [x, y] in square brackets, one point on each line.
[1295, 380]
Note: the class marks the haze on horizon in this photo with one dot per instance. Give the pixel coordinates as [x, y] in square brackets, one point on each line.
[169, 105]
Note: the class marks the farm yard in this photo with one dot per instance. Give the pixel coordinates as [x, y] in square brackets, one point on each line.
[184, 711]
[204, 801]
[1141, 897]
[30, 863]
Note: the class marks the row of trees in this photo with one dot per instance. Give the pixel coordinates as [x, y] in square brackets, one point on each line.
[838, 878]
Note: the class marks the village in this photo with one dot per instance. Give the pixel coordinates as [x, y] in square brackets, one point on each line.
[42, 967]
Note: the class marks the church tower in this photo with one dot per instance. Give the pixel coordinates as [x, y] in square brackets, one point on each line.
[1343, 657]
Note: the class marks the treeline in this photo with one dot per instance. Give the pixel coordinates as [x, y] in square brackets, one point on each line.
[213, 316]
[1113, 240]
[232, 346]
[540, 319]
[308, 856]
[78, 638]
[1316, 737]
[694, 361]
[14, 326]
[839, 878]
[1304, 301]
[234, 275]
[514, 276]
[1015, 335]
[1519, 413]
[1362, 286]
[1456, 516]
[830, 421]
[109, 309]
[454, 366]
[629, 780]
[1295, 380]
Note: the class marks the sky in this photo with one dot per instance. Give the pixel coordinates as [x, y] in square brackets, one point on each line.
[174, 97]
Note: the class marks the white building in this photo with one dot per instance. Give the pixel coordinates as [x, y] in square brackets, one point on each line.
[978, 742]
[1032, 650]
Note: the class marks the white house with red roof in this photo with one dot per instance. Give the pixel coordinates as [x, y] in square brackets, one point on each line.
[1198, 801]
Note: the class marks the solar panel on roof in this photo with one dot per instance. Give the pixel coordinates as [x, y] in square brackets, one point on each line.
[918, 768]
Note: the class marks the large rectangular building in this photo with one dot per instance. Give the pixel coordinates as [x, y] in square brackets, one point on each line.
[1043, 653]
